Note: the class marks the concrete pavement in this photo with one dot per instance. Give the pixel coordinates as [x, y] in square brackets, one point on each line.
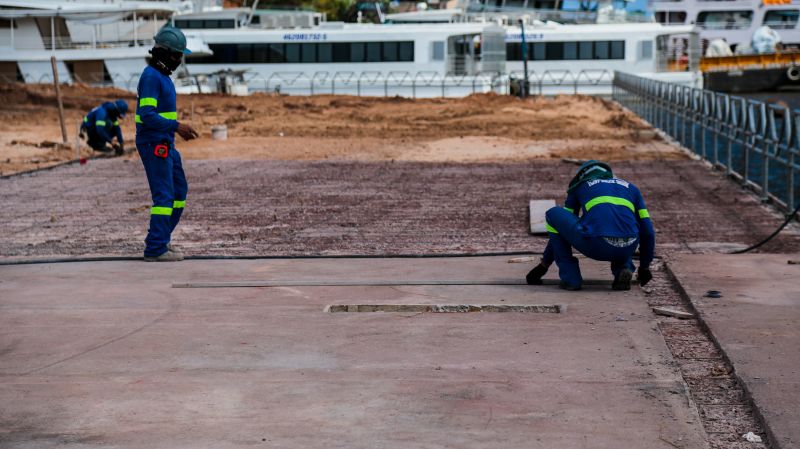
[755, 323]
[108, 354]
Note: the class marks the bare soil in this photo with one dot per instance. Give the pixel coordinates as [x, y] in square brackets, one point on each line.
[479, 128]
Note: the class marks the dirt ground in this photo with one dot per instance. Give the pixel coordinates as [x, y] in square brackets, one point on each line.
[479, 128]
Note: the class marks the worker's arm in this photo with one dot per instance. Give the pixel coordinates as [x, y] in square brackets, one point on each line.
[100, 122]
[647, 234]
[118, 130]
[147, 114]
[571, 204]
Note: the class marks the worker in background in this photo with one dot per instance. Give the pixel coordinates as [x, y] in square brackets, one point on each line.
[101, 126]
[156, 125]
[613, 222]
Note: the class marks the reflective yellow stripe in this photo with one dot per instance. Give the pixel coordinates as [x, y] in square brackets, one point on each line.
[137, 119]
[86, 120]
[148, 101]
[644, 214]
[610, 200]
[116, 122]
[169, 115]
[550, 228]
[570, 210]
[158, 210]
[178, 204]
[100, 123]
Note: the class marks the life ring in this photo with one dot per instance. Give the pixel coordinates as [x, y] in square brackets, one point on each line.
[793, 73]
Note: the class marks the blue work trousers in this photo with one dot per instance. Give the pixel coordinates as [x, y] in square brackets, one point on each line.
[168, 189]
[570, 233]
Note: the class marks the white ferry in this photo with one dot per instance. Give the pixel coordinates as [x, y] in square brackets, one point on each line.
[94, 43]
[561, 58]
[733, 20]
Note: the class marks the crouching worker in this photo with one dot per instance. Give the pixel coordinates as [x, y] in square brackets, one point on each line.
[613, 222]
[101, 126]
[156, 125]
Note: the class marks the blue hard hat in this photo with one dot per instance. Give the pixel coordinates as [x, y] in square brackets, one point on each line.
[172, 39]
[122, 107]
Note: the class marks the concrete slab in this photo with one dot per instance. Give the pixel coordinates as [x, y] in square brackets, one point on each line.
[755, 324]
[536, 211]
[108, 354]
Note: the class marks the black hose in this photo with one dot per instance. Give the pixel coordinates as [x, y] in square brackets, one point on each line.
[788, 219]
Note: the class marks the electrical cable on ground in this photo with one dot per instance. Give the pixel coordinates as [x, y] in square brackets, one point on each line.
[777, 231]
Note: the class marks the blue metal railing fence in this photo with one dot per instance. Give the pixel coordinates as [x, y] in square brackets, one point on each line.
[753, 142]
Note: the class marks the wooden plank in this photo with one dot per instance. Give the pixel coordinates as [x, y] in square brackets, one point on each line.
[536, 211]
[675, 313]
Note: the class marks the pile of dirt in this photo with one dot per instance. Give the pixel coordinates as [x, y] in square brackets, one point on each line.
[477, 128]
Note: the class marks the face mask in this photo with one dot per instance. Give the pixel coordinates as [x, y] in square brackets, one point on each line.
[166, 61]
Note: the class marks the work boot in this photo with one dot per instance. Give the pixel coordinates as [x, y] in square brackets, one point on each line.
[622, 281]
[534, 277]
[169, 256]
[564, 286]
[175, 249]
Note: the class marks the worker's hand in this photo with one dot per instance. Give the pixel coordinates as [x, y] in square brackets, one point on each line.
[186, 131]
[644, 276]
[117, 148]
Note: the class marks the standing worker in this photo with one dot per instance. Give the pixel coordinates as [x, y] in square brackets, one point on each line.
[101, 126]
[156, 125]
[613, 223]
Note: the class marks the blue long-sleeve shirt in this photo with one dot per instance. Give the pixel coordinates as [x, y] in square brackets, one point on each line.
[156, 109]
[614, 208]
[104, 120]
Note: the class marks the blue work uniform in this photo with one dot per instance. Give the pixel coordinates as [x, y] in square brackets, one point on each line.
[156, 123]
[613, 222]
[101, 125]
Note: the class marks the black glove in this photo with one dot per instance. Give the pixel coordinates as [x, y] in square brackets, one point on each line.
[534, 276]
[644, 276]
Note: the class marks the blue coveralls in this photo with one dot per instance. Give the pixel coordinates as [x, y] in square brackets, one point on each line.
[102, 125]
[614, 221]
[156, 123]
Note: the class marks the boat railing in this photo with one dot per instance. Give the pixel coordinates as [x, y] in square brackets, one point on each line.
[754, 142]
[65, 43]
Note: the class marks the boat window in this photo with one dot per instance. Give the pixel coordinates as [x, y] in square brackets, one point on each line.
[554, 51]
[671, 17]
[586, 50]
[617, 49]
[570, 50]
[341, 52]
[390, 51]
[310, 52]
[406, 51]
[324, 52]
[357, 52]
[782, 19]
[438, 51]
[601, 50]
[536, 51]
[646, 50]
[724, 20]
[567, 51]
[260, 53]
[291, 53]
[373, 51]
[275, 53]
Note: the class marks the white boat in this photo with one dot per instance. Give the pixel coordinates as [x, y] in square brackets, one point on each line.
[94, 43]
[733, 20]
[422, 59]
